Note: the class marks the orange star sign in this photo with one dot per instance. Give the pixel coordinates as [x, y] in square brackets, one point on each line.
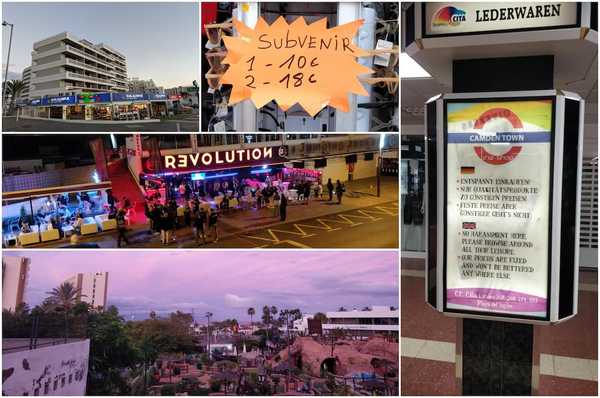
[294, 63]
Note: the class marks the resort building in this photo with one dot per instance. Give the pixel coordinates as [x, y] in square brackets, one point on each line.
[15, 271]
[64, 64]
[376, 320]
[93, 288]
[26, 78]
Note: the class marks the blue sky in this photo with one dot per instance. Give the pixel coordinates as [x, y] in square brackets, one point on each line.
[160, 40]
[225, 283]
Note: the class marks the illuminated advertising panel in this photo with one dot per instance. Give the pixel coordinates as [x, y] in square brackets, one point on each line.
[498, 195]
[445, 18]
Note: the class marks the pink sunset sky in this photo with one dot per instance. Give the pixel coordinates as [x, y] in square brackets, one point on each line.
[225, 283]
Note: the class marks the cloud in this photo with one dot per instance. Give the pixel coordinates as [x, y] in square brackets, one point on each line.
[234, 301]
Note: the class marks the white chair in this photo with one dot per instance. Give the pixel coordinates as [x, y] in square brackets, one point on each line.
[89, 226]
[105, 223]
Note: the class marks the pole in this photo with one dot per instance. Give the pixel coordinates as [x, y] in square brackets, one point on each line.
[379, 174]
[287, 326]
[4, 23]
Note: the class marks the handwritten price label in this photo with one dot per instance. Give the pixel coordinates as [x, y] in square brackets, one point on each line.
[294, 63]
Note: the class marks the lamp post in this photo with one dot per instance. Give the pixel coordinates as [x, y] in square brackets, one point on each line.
[208, 315]
[379, 161]
[4, 23]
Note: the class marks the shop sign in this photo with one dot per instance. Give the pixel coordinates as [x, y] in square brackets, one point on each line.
[128, 97]
[294, 63]
[463, 18]
[219, 160]
[157, 97]
[92, 98]
[498, 179]
[62, 100]
[174, 97]
[35, 102]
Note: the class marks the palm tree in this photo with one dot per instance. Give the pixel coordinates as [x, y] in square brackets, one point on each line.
[14, 89]
[64, 297]
[319, 316]
[251, 312]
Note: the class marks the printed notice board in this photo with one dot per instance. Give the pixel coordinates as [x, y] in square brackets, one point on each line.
[308, 64]
[498, 186]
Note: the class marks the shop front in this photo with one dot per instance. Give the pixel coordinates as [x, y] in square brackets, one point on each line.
[42, 215]
[99, 107]
[236, 177]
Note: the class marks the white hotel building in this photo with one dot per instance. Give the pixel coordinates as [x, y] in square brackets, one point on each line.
[64, 64]
[93, 288]
[377, 320]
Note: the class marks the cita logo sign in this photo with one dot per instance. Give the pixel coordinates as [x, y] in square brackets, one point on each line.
[449, 16]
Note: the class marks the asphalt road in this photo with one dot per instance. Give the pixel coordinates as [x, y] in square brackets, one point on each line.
[9, 124]
[372, 227]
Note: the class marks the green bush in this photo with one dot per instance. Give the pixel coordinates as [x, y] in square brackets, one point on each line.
[200, 391]
[215, 386]
[168, 389]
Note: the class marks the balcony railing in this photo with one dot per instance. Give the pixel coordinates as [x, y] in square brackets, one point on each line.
[74, 75]
[92, 56]
[84, 65]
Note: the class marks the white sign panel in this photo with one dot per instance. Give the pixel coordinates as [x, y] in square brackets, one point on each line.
[457, 18]
[498, 196]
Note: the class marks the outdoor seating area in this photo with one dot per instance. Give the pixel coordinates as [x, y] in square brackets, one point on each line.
[31, 217]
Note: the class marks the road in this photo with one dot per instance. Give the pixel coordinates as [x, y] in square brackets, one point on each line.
[372, 227]
[9, 124]
[369, 227]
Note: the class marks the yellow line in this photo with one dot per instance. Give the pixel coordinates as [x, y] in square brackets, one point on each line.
[294, 243]
[261, 238]
[350, 222]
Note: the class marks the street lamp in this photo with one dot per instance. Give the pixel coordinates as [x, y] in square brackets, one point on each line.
[4, 23]
[208, 315]
[379, 161]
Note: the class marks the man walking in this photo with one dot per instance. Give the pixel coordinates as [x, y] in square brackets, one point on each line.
[283, 207]
[121, 228]
[212, 224]
[199, 222]
[330, 189]
[339, 191]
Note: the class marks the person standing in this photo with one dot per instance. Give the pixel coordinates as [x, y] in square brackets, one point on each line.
[121, 228]
[283, 207]
[199, 223]
[339, 191]
[212, 224]
[330, 189]
[276, 203]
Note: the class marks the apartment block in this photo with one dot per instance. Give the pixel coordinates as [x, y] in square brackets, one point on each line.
[15, 271]
[24, 96]
[93, 288]
[64, 64]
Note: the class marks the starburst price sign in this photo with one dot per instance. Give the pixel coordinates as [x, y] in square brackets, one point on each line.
[294, 63]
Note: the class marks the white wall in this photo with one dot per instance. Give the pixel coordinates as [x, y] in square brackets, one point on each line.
[48, 365]
[338, 169]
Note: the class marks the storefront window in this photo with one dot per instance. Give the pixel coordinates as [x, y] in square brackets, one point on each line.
[412, 175]
[76, 112]
[102, 112]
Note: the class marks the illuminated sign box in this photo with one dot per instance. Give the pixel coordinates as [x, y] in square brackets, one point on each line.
[503, 182]
[451, 19]
[199, 162]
